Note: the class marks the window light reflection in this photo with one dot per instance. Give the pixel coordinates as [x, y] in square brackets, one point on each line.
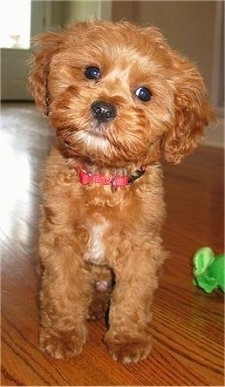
[15, 23]
[15, 182]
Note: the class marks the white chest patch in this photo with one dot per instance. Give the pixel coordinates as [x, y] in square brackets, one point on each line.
[96, 246]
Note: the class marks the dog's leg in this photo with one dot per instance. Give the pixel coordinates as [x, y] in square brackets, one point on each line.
[128, 338]
[102, 283]
[65, 298]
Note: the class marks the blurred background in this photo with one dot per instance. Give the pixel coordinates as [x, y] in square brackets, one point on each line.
[193, 27]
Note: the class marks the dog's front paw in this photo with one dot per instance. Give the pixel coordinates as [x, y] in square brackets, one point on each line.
[129, 351]
[62, 345]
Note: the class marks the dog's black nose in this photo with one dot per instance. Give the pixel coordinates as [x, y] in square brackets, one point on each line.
[103, 111]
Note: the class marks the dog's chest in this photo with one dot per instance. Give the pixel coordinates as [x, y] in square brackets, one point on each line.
[96, 246]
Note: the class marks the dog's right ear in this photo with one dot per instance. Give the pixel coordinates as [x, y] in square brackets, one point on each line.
[46, 46]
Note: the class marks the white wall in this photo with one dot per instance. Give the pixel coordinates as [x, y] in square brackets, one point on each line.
[83, 10]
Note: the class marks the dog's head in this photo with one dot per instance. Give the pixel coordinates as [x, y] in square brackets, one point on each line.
[117, 94]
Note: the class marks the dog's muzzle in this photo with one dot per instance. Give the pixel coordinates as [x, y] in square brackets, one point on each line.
[102, 111]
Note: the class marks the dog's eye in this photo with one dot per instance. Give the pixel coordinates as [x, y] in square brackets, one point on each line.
[92, 72]
[143, 94]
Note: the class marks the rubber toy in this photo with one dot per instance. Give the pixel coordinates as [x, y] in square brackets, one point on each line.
[209, 270]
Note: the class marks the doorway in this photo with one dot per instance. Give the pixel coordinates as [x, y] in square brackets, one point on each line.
[20, 20]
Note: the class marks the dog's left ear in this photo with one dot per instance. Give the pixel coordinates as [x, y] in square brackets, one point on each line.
[46, 46]
[191, 111]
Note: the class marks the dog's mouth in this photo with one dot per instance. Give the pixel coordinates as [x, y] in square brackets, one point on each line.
[102, 142]
[84, 141]
[97, 130]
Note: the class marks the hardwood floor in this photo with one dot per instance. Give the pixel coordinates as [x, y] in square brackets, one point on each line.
[187, 325]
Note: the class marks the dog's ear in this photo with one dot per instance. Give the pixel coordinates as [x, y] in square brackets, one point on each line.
[191, 111]
[47, 45]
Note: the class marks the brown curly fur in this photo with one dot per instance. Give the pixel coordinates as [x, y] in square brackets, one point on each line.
[91, 234]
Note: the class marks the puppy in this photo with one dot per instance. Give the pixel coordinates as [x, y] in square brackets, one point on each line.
[120, 100]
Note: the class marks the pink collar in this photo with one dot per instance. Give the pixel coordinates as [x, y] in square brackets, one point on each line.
[115, 181]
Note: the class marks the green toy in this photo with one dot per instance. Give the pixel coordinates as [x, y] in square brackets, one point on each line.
[209, 270]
